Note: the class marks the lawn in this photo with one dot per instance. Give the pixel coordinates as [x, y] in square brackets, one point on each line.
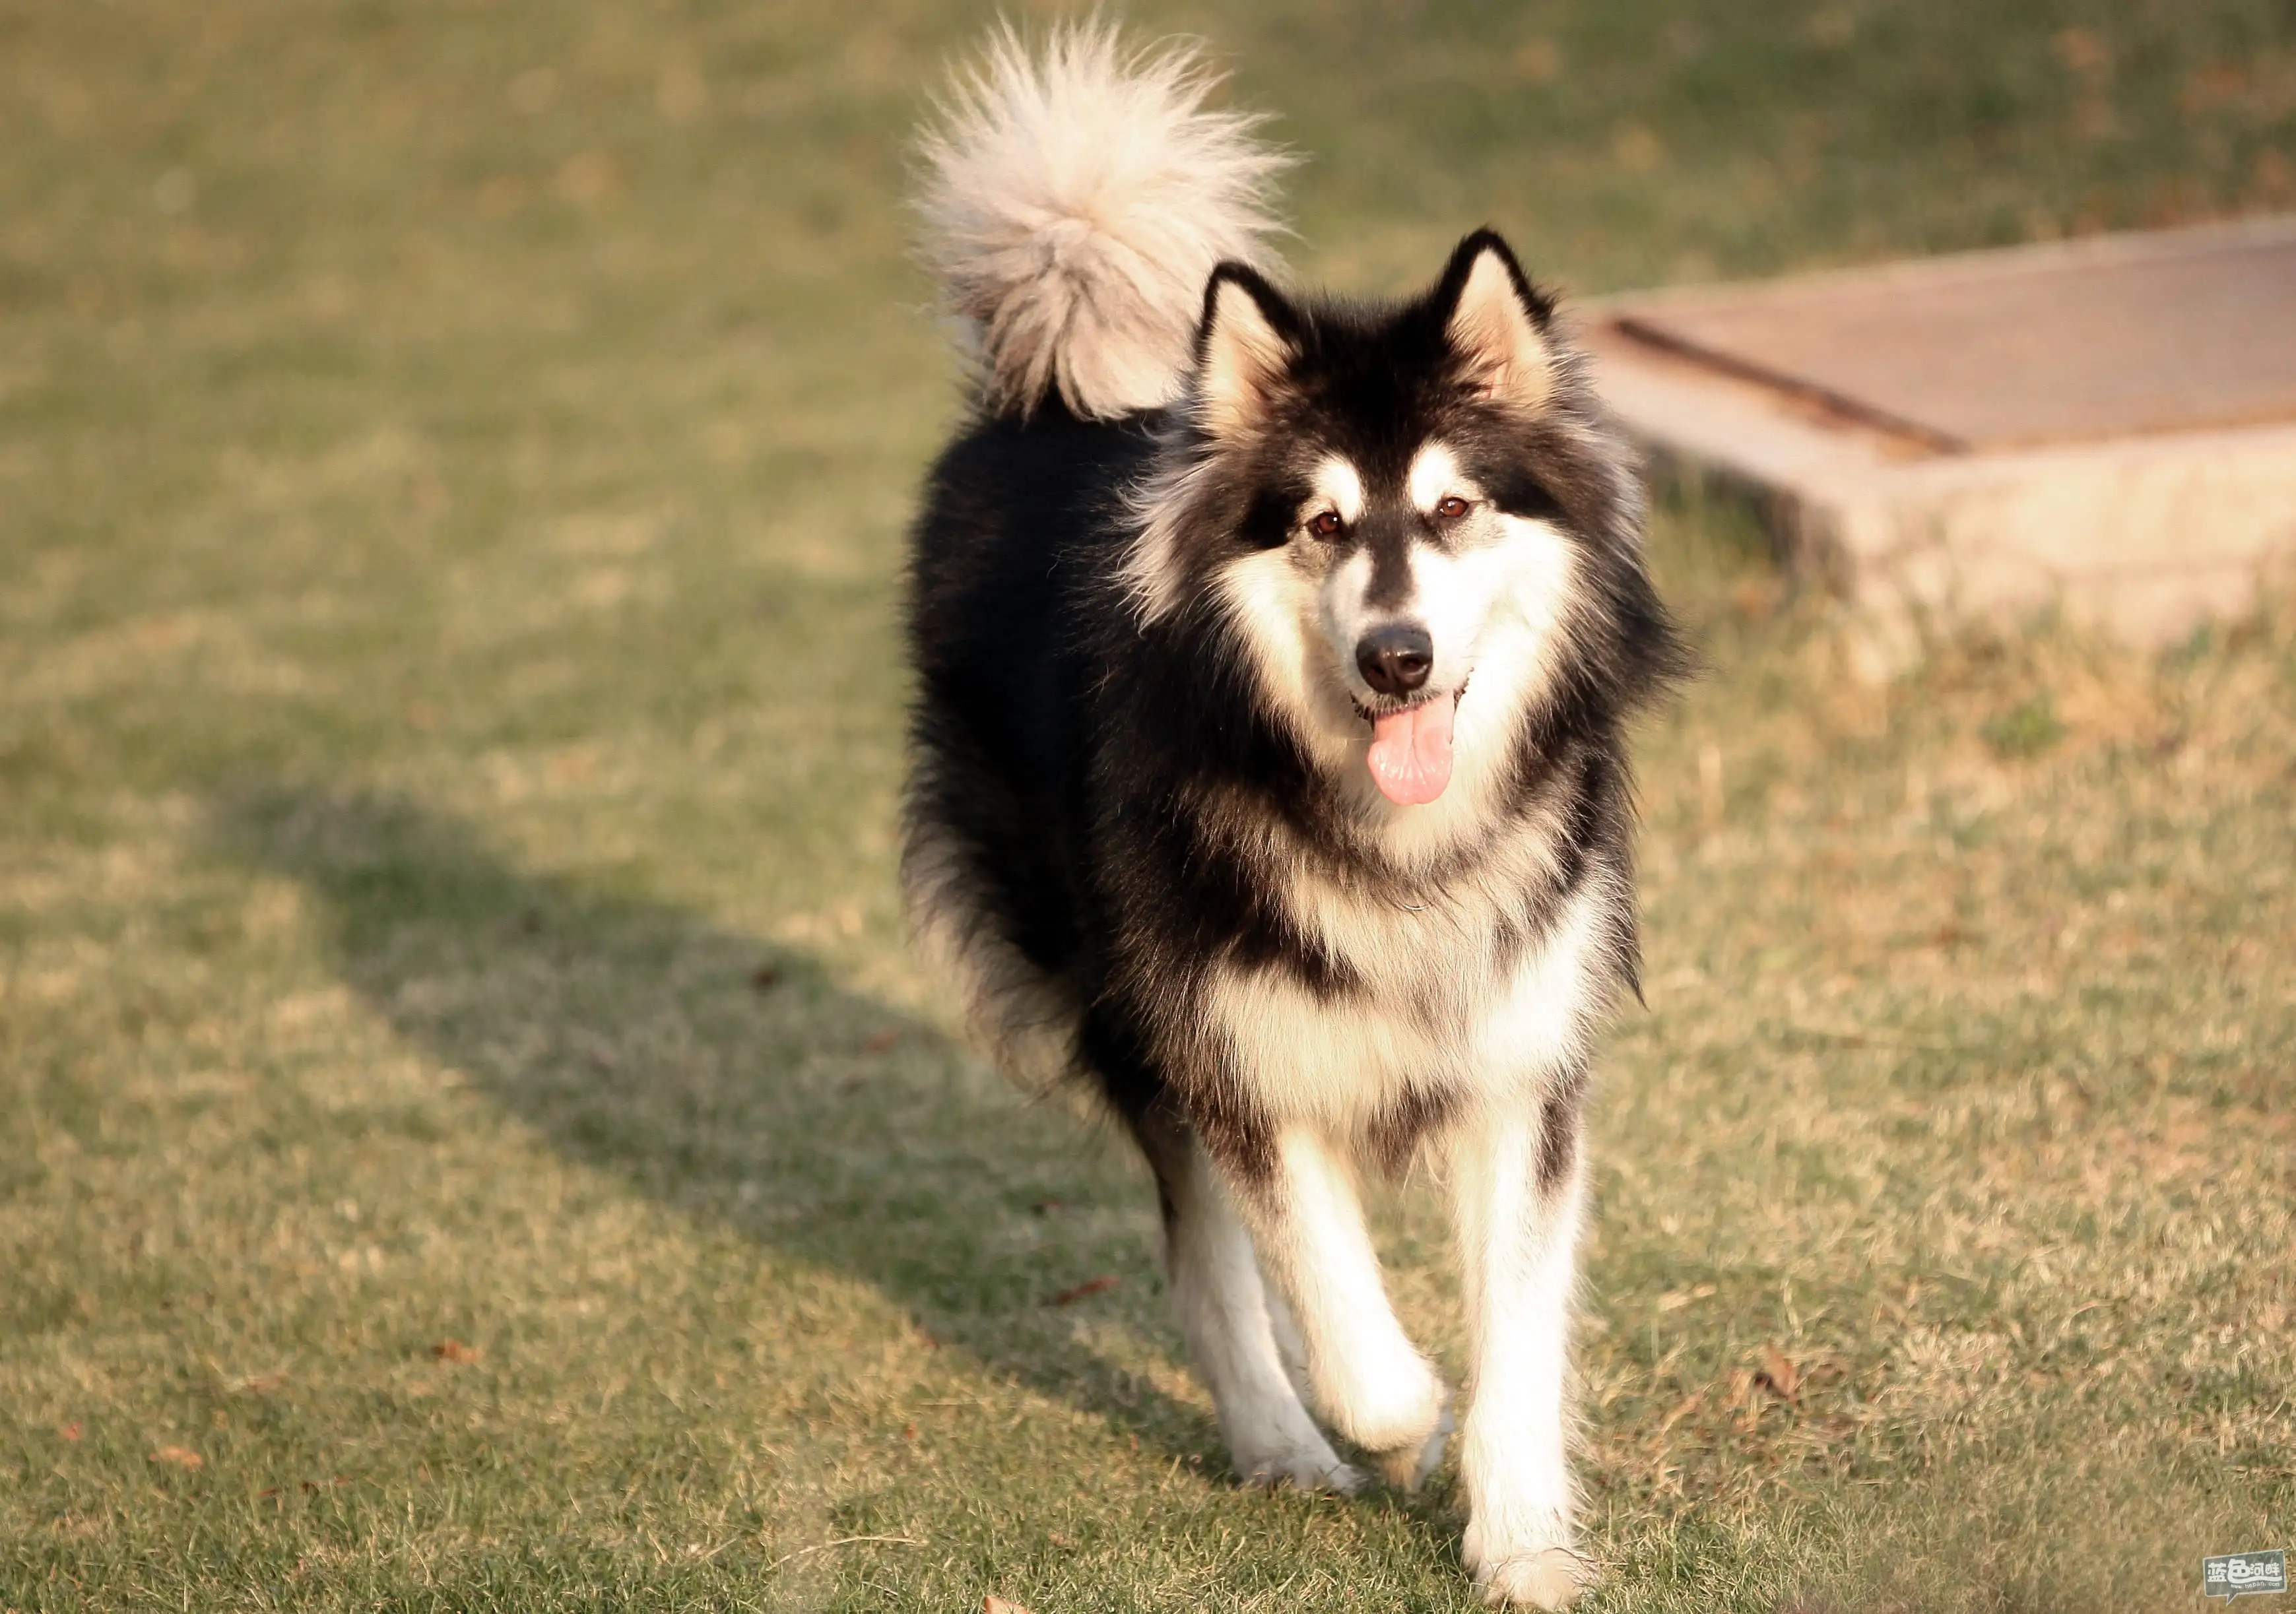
[474, 1134]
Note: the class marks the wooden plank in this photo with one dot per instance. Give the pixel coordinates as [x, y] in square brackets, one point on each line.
[2104, 429]
[2066, 343]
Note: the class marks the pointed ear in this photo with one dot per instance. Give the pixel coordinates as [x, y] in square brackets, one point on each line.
[1496, 321]
[1247, 339]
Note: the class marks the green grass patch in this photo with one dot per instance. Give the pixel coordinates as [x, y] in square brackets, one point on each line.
[2027, 729]
[453, 464]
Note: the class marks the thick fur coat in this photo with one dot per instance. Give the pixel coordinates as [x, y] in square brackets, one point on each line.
[1274, 656]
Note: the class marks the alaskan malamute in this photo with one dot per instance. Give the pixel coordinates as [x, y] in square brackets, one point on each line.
[1275, 657]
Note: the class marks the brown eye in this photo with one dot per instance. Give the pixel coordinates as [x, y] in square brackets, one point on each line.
[1452, 507]
[1326, 525]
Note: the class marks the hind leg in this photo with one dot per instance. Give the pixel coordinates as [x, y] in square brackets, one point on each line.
[1368, 1380]
[1225, 1313]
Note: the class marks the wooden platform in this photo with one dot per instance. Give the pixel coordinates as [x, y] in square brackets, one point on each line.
[2105, 426]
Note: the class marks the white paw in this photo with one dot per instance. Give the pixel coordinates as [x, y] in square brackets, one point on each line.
[1394, 1409]
[1406, 1467]
[1316, 1468]
[1551, 1577]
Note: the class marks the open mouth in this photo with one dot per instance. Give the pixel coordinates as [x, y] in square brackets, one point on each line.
[1410, 755]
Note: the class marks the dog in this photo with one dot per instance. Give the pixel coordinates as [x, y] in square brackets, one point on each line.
[1268, 774]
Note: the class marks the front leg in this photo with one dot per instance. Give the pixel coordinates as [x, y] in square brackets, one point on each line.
[1226, 1312]
[1368, 1380]
[1519, 1181]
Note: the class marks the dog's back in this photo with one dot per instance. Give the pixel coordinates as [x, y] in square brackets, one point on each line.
[1074, 205]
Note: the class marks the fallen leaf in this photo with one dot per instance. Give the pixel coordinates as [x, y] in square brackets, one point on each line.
[994, 1605]
[455, 1350]
[1046, 1206]
[1090, 1286]
[182, 1456]
[1756, 599]
[310, 1487]
[881, 1042]
[1780, 1375]
[589, 177]
[765, 978]
[71, 1432]
[1539, 60]
[2082, 51]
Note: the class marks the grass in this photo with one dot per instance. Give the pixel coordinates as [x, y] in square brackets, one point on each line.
[469, 1106]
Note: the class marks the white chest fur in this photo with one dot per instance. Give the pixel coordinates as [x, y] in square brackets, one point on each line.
[1440, 1003]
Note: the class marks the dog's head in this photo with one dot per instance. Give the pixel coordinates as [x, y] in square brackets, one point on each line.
[1406, 514]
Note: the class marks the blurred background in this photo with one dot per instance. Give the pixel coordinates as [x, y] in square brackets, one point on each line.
[475, 1136]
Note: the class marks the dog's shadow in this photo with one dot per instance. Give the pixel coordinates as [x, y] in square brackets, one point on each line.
[733, 1079]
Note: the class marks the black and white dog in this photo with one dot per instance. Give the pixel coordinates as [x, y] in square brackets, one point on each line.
[1274, 656]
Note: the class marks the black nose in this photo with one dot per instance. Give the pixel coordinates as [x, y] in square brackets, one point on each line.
[1395, 660]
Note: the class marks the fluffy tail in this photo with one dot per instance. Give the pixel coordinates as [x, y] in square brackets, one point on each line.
[1075, 204]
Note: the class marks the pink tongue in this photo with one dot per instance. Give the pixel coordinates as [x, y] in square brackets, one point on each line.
[1411, 752]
